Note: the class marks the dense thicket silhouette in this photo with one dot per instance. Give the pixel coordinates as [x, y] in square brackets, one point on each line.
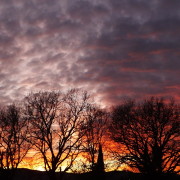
[13, 135]
[149, 131]
[57, 123]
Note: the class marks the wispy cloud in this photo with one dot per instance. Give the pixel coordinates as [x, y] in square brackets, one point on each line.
[110, 47]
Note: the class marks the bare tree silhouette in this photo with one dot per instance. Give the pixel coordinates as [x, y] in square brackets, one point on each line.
[13, 134]
[150, 133]
[96, 120]
[57, 122]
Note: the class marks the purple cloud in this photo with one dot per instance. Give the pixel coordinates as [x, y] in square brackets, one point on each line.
[112, 48]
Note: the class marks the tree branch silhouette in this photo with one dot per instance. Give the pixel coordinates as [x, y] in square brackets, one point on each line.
[150, 133]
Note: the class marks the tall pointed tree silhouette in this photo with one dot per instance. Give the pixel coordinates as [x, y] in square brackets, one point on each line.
[100, 161]
[93, 139]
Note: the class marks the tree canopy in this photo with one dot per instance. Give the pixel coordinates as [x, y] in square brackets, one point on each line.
[149, 131]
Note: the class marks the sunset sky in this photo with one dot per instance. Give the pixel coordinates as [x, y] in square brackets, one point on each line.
[112, 48]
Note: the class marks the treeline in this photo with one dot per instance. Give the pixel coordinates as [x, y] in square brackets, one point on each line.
[62, 127]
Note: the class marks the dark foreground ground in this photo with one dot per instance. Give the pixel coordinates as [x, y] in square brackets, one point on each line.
[26, 174]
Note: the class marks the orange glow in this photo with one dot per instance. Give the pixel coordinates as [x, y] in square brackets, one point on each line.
[34, 161]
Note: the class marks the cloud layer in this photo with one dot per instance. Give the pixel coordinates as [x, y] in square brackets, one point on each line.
[112, 48]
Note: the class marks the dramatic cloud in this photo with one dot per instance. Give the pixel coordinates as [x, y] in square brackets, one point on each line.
[112, 48]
